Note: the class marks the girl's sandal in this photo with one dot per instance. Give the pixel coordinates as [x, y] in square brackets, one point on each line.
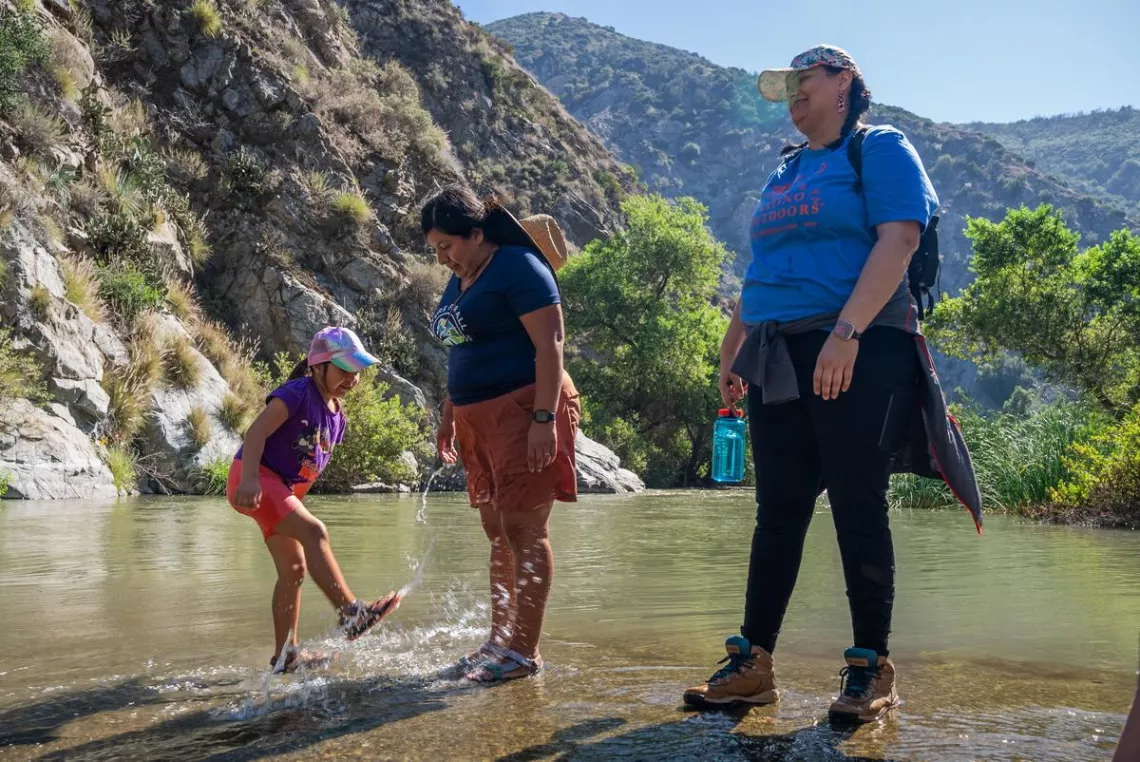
[494, 672]
[297, 659]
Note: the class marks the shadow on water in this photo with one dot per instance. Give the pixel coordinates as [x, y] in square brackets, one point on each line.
[340, 708]
[700, 736]
[40, 722]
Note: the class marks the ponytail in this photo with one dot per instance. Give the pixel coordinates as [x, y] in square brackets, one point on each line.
[300, 370]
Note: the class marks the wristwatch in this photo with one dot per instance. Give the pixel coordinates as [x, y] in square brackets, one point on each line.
[543, 416]
[845, 330]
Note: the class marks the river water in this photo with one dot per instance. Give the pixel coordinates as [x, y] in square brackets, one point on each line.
[140, 629]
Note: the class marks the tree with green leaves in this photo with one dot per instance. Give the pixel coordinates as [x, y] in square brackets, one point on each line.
[1074, 314]
[644, 337]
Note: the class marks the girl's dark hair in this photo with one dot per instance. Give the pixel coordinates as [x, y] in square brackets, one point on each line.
[858, 104]
[302, 369]
[456, 210]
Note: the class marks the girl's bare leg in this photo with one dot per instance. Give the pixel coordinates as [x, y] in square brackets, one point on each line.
[289, 558]
[310, 532]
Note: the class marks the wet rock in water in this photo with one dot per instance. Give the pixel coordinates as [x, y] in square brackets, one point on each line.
[44, 457]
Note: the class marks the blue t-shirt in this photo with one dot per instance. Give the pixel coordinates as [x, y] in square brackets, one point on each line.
[812, 231]
[490, 352]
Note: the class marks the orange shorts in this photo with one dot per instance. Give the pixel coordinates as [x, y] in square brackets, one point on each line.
[491, 437]
[278, 499]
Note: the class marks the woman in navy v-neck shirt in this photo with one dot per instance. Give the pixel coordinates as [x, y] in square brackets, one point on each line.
[512, 411]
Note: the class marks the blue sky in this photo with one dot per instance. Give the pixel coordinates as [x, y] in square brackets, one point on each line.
[957, 61]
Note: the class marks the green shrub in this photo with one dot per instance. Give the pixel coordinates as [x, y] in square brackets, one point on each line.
[21, 43]
[20, 374]
[199, 427]
[128, 291]
[1103, 484]
[180, 363]
[213, 477]
[1019, 460]
[244, 174]
[118, 237]
[206, 16]
[5, 482]
[123, 466]
[379, 430]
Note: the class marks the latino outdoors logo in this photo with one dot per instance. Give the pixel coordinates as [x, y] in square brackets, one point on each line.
[448, 326]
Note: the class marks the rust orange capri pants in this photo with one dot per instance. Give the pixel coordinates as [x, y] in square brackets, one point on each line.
[491, 437]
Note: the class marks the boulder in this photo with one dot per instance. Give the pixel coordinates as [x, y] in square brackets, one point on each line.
[45, 457]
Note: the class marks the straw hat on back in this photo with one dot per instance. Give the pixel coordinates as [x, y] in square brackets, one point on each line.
[542, 234]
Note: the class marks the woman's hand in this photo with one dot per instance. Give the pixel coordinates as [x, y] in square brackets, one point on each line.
[445, 441]
[541, 446]
[248, 494]
[732, 387]
[834, 367]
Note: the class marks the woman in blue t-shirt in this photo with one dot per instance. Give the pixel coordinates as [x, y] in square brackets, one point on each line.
[828, 280]
[511, 409]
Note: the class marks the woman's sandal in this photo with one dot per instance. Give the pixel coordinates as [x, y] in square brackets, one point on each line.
[493, 672]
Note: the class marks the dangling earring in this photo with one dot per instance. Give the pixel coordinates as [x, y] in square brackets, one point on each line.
[841, 104]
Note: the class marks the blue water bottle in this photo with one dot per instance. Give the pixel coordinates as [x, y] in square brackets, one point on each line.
[728, 447]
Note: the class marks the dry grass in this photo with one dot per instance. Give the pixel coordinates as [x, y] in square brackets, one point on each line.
[68, 64]
[352, 207]
[37, 130]
[181, 301]
[189, 164]
[232, 358]
[82, 287]
[131, 386]
[206, 16]
[86, 196]
[426, 282]
[235, 413]
[40, 301]
[199, 427]
[180, 363]
[128, 117]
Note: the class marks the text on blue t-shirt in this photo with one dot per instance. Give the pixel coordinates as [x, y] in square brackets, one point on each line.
[490, 352]
[812, 231]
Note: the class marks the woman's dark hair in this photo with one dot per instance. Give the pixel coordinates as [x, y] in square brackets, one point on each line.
[858, 104]
[456, 210]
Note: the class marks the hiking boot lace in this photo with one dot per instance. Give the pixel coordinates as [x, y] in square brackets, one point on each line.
[855, 682]
[736, 663]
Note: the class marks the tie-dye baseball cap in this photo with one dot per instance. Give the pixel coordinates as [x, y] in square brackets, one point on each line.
[341, 347]
[774, 84]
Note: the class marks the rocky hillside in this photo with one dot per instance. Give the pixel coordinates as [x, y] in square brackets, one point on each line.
[690, 127]
[1099, 153]
[188, 187]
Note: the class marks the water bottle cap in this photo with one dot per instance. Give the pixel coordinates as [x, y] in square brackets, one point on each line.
[724, 412]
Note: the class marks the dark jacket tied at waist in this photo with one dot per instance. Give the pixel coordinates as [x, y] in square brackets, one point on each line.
[934, 449]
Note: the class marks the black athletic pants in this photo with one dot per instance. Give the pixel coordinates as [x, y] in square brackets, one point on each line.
[844, 445]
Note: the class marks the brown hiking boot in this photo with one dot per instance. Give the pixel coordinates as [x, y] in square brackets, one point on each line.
[866, 692]
[748, 678]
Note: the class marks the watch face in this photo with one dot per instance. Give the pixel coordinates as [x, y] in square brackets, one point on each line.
[844, 330]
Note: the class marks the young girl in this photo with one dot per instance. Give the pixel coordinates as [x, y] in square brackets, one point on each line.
[284, 452]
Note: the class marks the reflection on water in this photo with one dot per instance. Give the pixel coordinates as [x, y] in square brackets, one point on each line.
[140, 629]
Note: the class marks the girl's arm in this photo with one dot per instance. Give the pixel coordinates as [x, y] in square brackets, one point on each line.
[271, 419]
[546, 331]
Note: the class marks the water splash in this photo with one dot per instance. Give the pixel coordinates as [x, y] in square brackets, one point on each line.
[418, 574]
[421, 515]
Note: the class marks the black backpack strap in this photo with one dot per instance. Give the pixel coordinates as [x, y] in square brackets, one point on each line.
[855, 155]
